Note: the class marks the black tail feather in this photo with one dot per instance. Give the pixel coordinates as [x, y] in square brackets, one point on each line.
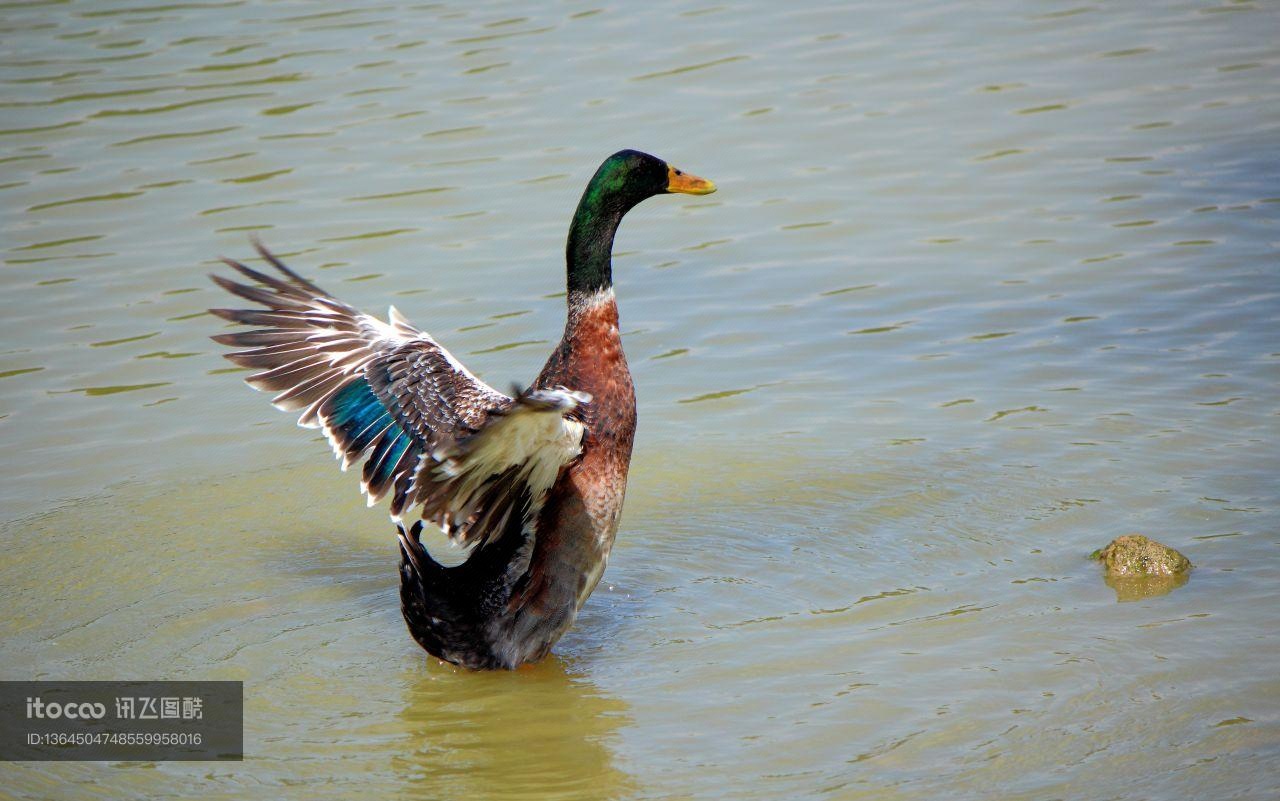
[457, 613]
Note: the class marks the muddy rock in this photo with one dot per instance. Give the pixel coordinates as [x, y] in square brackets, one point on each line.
[1136, 555]
[1137, 567]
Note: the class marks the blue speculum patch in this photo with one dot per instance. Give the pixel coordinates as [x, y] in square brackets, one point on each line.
[358, 416]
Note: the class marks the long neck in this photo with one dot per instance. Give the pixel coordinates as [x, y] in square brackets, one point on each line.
[590, 247]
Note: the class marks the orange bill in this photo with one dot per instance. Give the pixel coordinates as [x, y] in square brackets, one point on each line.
[684, 183]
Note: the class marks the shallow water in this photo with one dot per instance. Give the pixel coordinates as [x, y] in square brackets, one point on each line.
[983, 288]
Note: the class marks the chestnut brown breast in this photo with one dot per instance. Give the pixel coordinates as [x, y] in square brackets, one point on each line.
[576, 528]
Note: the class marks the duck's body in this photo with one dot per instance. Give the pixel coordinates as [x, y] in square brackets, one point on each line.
[533, 484]
[504, 616]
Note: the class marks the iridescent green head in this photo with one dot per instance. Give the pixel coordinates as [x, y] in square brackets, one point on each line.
[623, 180]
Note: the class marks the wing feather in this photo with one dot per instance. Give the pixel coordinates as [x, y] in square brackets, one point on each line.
[430, 434]
[461, 485]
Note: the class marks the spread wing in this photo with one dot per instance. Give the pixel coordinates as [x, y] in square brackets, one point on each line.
[430, 434]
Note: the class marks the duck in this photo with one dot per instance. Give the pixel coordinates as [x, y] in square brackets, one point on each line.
[529, 486]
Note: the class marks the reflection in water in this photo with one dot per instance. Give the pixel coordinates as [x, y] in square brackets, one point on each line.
[1137, 588]
[539, 732]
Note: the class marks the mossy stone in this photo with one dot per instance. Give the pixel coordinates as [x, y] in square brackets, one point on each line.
[1136, 555]
[1138, 567]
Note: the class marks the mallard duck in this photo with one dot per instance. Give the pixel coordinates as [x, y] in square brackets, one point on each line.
[530, 484]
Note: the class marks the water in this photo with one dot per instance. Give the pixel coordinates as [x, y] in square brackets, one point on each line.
[983, 288]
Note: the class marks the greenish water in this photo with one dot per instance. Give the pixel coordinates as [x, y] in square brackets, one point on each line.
[983, 287]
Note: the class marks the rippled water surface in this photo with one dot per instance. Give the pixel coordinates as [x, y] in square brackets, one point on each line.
[984, 286]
